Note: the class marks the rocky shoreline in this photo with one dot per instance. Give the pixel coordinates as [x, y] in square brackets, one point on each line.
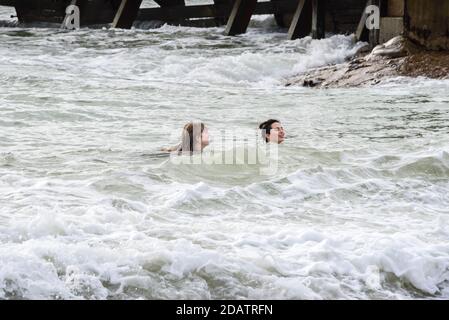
[397, 57]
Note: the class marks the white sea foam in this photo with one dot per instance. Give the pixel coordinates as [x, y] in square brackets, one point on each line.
[89, 209]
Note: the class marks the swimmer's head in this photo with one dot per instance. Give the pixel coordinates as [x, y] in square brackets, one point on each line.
[195, 137]
[272, 131]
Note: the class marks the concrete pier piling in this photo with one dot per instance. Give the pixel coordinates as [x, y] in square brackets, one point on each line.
[301, 24]
[427, 23]
[240, 16]
[126, 14]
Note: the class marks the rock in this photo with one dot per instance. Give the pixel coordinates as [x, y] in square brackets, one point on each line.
[396, 57]
[362, 51]
[389, 52]
[398, 41]
[395, 48]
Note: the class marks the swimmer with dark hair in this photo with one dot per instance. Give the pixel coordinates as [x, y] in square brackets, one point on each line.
[272, 131]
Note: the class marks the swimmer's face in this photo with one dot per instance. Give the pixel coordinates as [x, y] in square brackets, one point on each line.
[205, 138]
[277, 133]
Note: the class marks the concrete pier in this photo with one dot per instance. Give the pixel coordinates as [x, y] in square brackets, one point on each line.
[424, 22]
[427, 23]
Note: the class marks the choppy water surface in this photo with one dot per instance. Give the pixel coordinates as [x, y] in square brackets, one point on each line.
[358, 208]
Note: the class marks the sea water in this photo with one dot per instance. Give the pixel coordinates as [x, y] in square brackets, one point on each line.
[357, 207]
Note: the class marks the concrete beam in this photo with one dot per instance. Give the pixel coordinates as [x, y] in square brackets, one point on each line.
[126, 14]
[361, 32]
[318, 19]
[219, 10]
[374, 33]
[170, 3]
[240, 17]
[301, 25]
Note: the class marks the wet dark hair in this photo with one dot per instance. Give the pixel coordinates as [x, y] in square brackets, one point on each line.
[266, 128]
